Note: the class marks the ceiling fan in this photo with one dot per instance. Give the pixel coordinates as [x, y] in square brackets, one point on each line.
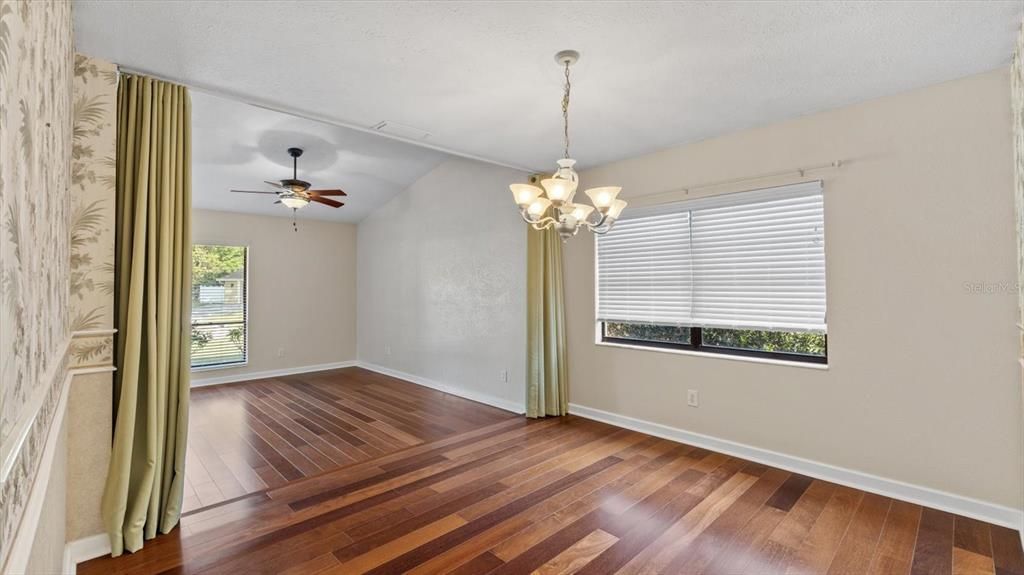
[295, 193]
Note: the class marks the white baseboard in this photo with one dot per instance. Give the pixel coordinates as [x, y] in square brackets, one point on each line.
[447, 388]
[966, 506]
[235, 377]
[84, 549]
[477, 396]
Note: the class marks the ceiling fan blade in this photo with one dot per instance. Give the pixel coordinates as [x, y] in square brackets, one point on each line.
[326, 201]
[327, 192]
[252, 192]
[275, 184]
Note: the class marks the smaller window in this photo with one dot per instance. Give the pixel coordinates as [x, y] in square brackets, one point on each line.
[787, 345]
[780, 342]
[220, 334]
[648, 332]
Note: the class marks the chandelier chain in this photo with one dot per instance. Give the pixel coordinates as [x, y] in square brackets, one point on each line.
[565, 108]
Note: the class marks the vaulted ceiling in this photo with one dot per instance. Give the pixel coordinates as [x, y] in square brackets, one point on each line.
[237, 145]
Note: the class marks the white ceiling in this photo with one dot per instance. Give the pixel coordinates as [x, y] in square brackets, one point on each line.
[480, 78]
[236, 145]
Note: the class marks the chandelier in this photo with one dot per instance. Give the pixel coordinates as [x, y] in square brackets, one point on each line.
[553, 205]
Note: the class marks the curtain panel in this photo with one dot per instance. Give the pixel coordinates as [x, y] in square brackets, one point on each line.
[547, 385]
[145, 482]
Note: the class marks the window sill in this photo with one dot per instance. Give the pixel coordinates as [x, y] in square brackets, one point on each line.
[219, 366]
[744, 358]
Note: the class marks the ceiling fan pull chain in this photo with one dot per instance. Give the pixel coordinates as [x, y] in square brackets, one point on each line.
[295, 225]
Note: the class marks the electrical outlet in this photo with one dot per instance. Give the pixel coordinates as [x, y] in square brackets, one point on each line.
[387, 349]
[504, 376]
[692, 398]
[280, 352]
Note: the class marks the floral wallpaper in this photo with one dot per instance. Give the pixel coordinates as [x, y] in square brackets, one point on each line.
[35, 70]
[94, 144]
[35, 215]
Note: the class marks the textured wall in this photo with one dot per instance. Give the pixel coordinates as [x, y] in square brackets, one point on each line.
[302, 288]
[35, 153]
[90, 417]
[922, 382]
[442, 281]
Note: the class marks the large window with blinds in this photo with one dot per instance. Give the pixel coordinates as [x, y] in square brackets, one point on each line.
[220, 333]
[740, 273]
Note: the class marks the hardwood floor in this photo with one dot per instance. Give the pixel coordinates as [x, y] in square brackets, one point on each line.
[262, 434]
[491, 493]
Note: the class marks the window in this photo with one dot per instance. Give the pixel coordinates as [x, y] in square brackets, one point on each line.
[739, 273]
[220, 332]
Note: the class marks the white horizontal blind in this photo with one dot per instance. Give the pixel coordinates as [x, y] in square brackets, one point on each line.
[644, 270]
[756, 261]
[759, 261]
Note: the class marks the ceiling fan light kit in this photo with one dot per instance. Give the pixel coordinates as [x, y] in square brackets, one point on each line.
[558, 191]
[294, 202]
[294, 193]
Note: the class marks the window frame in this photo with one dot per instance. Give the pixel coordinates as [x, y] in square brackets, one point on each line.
[245, 308]
[697, 345]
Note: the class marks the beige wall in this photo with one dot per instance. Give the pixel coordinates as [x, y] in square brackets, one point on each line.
[442, 283]
[302, 288]
[922, 378]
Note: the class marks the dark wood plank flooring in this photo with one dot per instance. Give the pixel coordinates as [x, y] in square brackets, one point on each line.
[486, 492]
[258, 435]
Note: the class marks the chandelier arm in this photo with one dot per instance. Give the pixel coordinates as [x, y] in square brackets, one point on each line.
[525, 214]
[547, 221]
[601, 227]
[598, 223]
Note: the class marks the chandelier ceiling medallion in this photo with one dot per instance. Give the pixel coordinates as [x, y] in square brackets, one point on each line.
[553, 205]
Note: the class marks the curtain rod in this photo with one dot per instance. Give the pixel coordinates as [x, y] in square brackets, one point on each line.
[283, 109]
[801, 172]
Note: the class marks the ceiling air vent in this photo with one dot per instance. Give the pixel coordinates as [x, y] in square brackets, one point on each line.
[401, 131]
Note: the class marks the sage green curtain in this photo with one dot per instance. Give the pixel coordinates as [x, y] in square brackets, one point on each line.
[152, 301]
[547, 384]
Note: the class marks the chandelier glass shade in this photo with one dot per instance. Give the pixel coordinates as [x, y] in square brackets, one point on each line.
[552, 204]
